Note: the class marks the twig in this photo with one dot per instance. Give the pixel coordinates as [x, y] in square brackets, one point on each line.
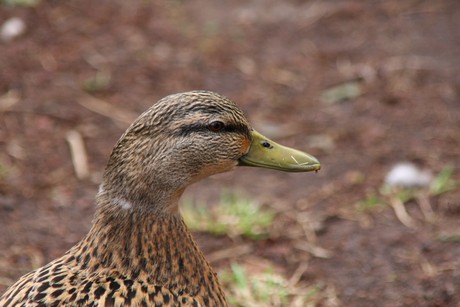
[425, 206]
[101, 107]
[427, 268]
[304, 221]
[297, 274]
[315, 251]
[39, 113]
[9, 99]
[78, 153]
[401, 213]
[231, 252]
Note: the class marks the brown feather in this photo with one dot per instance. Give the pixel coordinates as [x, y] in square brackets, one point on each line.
[139, 251]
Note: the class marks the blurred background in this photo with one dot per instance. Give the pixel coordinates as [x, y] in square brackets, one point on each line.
[362, 85]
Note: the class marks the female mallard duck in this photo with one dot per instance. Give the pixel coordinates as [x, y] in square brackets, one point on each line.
[139, 251]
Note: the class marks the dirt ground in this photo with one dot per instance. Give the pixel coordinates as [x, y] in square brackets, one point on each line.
[92, 66]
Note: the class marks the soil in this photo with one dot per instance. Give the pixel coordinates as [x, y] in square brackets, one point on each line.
[92, 66]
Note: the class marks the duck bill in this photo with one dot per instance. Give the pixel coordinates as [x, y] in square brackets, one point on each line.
[267, 154]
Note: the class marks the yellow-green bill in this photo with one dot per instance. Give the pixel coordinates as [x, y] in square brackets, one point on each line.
[268, 154]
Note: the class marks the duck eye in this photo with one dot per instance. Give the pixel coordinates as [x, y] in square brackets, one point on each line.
[216, 126]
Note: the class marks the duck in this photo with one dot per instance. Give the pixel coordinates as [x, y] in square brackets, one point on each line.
[139, 251]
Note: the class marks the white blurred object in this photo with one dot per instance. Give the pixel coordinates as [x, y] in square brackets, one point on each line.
[12, 28]
[408, 175]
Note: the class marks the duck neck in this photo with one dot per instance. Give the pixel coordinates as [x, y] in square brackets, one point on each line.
[148, 246]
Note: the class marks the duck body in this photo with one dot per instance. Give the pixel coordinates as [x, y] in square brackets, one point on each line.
[113, 267]
[139, 251]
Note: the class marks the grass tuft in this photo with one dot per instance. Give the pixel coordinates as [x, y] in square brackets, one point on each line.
[235, 215]
[443, 182]
[370, 203]
[25, 3]
[266, 288]
[99, 82]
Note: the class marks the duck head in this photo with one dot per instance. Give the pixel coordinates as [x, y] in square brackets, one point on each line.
[186, 137]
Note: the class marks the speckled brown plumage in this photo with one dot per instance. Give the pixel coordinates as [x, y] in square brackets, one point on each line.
[144, 268]
[139, 251]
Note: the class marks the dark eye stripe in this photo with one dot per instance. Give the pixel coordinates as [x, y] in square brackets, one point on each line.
[192, 128]
[237, 128]
[188, 129]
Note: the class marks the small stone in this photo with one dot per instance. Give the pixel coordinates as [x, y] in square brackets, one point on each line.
[12, 28]
[408, 175]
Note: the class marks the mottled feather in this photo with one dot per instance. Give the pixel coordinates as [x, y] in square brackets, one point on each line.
[139, 251]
